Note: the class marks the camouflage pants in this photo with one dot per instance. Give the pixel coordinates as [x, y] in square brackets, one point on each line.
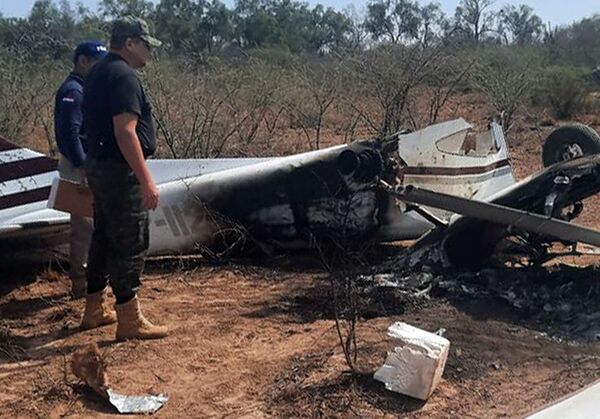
[120, 239]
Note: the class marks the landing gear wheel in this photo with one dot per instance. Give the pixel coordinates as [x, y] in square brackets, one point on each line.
[569, 142]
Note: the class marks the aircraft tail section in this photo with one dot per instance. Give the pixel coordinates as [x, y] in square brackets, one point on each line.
[25, 176]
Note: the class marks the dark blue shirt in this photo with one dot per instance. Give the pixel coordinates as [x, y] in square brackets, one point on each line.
[68, 120]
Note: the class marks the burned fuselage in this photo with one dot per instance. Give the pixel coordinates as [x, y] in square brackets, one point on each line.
[290, 201]
[284, 201]
[330, 193]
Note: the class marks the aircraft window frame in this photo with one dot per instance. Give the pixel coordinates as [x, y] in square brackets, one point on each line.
[471, 151]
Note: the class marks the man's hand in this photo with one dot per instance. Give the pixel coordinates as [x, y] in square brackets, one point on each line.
[150, 195]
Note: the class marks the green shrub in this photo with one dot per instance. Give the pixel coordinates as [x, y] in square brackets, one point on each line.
[507, 76]
[563, 90]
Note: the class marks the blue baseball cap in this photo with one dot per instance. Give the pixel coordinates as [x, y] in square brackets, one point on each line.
[90, 48]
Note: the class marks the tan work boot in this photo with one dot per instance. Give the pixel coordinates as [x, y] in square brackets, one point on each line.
[133, 325]
[96, 313]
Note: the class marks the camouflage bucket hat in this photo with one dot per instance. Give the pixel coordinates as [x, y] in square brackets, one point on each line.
[133, 27]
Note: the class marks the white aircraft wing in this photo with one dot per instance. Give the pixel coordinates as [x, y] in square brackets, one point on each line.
[26, 225]
[34, 224]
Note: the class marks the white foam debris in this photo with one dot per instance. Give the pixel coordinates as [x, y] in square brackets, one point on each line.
[415, 367]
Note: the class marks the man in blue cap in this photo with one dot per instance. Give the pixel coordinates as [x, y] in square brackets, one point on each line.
[72, 145]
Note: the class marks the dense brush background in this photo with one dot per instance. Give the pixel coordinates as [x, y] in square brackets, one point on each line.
[266, 77]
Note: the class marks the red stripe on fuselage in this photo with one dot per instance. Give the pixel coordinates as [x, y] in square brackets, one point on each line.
[24, 168]
[23, 198]
[454, 171]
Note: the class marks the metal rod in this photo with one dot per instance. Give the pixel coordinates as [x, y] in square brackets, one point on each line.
[534, 223]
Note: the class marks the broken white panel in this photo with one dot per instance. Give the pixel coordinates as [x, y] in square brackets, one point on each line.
[136, 404]
[440, 158]
[416, 365]
[583, 404]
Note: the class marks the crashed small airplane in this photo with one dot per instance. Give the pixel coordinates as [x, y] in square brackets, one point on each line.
[406, 186]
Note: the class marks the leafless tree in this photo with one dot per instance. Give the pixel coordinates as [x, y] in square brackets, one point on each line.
[26, 95]
[388, 75]
[217, 108]
[450, 72]
[312, 90]
[194, 113]
[508, 78]
[474, 19]
[341, 258]
[259, 103]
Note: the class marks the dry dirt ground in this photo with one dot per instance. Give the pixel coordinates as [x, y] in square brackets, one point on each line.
[257, 339]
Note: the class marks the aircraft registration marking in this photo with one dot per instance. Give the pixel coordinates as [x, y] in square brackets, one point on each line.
[175, 220]
[180, 220]
[171, 221]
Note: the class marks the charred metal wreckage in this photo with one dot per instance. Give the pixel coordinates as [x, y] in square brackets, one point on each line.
[536, 210]
[407, 186]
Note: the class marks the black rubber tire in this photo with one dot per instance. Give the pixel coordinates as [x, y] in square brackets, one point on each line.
[585, 137]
